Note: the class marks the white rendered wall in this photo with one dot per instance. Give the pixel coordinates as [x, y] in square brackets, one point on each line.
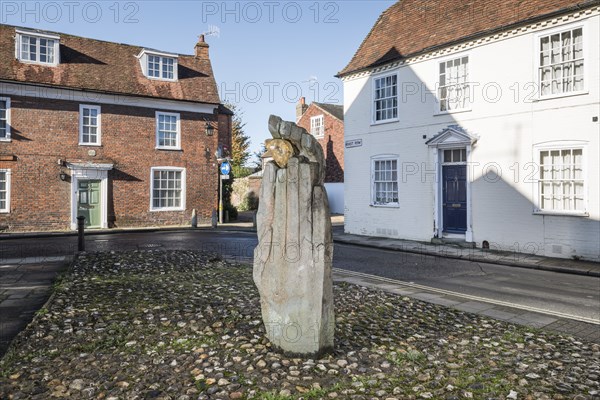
[335, 195]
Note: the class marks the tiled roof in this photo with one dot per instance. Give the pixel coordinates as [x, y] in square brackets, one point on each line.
[336, 110]
[96, 65]
[411, 27]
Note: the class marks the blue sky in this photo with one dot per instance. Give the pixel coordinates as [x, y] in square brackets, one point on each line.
[267, 54]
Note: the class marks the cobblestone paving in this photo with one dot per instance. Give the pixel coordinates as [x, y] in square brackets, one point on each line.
[184, 325]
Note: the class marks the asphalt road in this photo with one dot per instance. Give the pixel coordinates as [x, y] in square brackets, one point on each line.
[549, 291]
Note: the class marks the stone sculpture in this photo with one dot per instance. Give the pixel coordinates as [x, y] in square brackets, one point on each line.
[292, 262]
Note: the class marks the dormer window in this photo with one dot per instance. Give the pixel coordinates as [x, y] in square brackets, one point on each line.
[37, 48]
[161, 67]
[155, 65]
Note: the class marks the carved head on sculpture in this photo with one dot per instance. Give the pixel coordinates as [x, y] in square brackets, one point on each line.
[290, 140]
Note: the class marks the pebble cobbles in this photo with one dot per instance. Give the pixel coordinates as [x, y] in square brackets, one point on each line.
[186, 325]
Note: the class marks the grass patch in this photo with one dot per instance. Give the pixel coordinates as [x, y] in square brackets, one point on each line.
[402, 358]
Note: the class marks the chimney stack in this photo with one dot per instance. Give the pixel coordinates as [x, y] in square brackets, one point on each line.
[201, 48]
[301, 108]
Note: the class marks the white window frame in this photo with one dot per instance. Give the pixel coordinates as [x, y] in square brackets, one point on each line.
[6, 138]
[183, 188]
[317, 130]
[561, 145]
[6, 209]
[374, 160]
[178, 132]
[586, 60]
[144, 58]
[469, 92]
[375, 78]
[162, 68]
[98, 128]
[56, 48]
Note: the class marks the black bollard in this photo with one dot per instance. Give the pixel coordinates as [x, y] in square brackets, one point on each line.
[80, 228]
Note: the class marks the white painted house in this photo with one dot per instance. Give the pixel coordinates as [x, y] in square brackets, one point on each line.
[477, 122]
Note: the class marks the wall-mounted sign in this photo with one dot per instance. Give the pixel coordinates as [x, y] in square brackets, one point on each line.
[353, 143]
[225, 168]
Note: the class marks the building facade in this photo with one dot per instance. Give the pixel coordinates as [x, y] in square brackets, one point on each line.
[123, 135]
[485, 133]
[326, 123]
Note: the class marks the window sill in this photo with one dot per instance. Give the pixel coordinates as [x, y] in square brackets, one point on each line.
[387, 121]
[168, 148]
[562, 213]
[91, 144]
[166, 209]
[561, 95]
[7, 140]
[154, 78]
[394, 205]
[451, 112]
[38, 63]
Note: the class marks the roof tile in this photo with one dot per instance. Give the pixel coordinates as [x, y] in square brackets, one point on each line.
[411, 27]
[96, 65]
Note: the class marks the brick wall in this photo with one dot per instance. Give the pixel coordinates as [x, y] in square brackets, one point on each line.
[44, 131]
[332, 142]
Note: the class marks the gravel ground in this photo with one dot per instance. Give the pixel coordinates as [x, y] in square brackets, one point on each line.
[185, 325]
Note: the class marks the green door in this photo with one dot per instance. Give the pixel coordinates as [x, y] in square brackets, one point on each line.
[88, 202]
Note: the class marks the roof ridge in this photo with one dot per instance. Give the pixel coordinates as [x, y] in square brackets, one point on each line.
[321, 106]
[91, 38]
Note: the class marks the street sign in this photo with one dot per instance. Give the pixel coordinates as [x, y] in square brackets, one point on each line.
[225, 168]
[225, 177]
[353, 143]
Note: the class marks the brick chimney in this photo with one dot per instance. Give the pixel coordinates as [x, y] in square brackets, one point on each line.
[201, 48]
[301, 108]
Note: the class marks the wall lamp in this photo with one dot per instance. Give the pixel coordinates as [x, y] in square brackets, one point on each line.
[210, 130]
[63, 176]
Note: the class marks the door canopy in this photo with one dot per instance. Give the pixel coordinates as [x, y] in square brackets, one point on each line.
[451, 137]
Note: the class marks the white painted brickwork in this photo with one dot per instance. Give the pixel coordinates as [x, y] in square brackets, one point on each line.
[508, 126]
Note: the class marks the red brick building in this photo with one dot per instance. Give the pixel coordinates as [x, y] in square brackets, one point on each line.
[326, 123]
[123, 135]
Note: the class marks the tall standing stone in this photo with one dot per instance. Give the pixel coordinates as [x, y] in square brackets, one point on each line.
[292, 262]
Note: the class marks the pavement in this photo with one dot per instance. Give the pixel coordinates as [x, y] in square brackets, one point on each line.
[25, 286]
[25, 283]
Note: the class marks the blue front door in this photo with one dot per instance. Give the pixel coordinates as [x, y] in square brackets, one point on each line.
[454, 188]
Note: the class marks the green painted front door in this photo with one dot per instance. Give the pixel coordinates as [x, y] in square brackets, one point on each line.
[89, 202]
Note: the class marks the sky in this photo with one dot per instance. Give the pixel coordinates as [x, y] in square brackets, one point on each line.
[265, 54]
